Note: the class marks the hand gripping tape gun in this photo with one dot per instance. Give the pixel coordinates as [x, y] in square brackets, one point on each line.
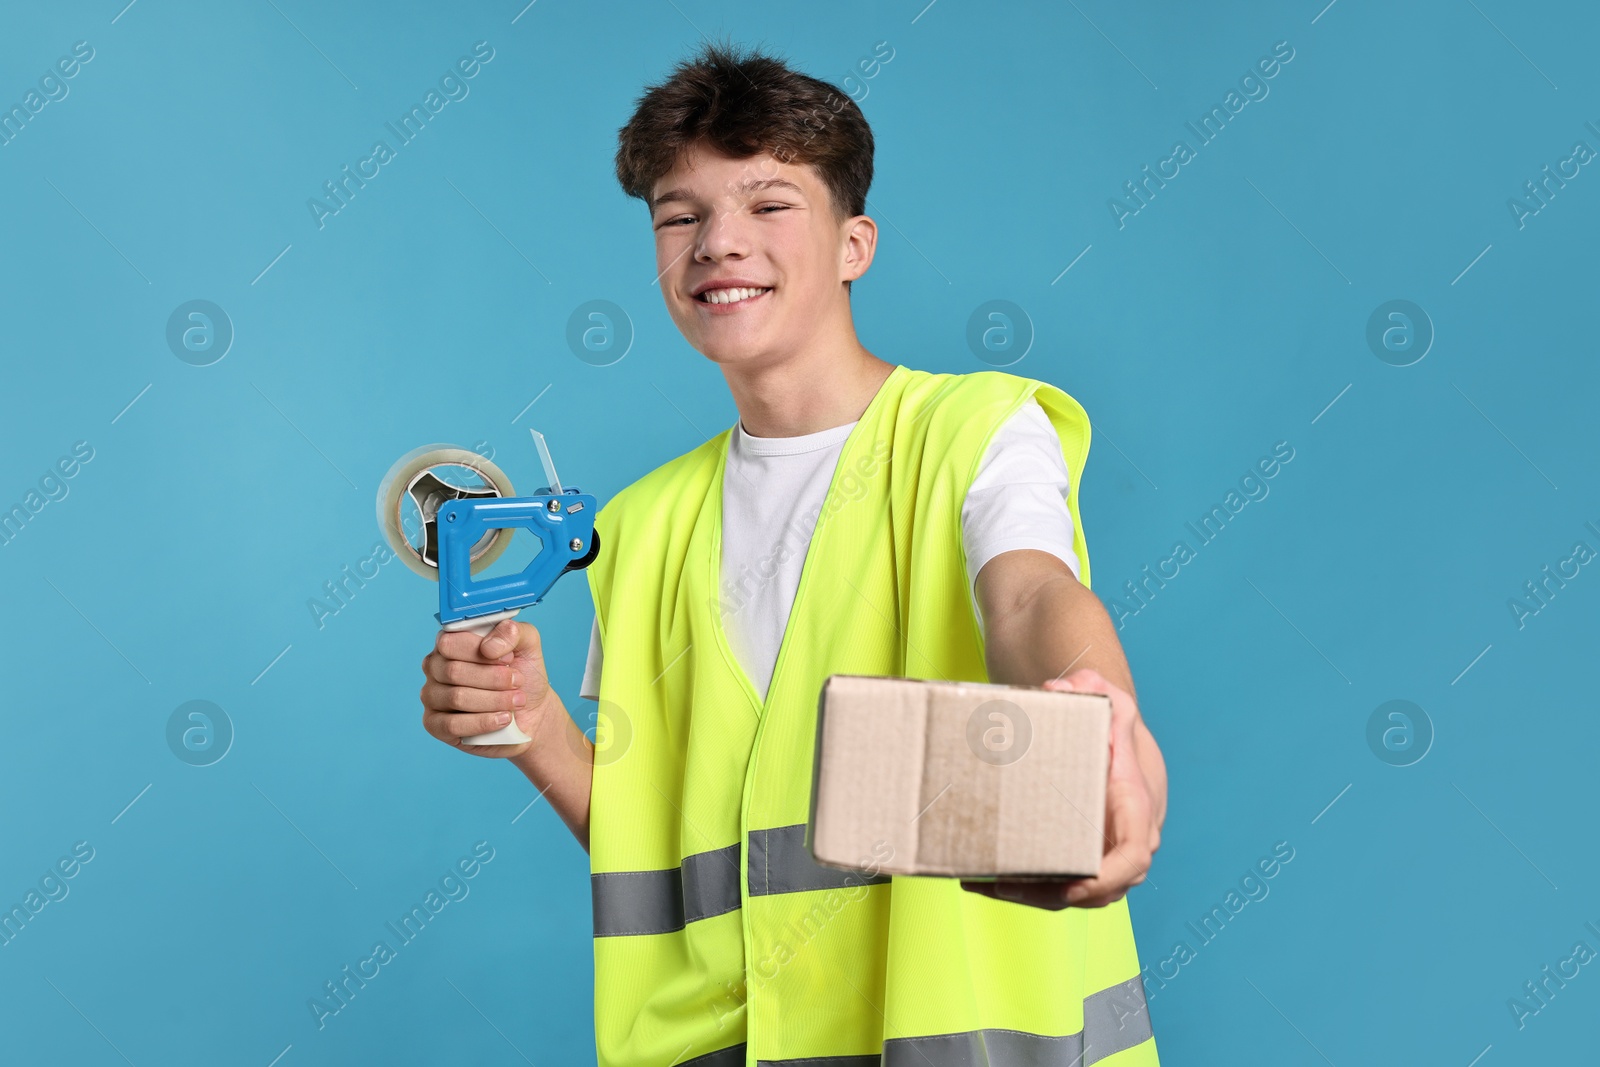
[450, 513]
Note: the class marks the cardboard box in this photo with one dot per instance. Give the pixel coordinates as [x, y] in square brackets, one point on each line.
[963, 779]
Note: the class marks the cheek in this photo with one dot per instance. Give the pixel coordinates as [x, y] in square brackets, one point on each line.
[666, 248]
[672, 258]
[803, 263]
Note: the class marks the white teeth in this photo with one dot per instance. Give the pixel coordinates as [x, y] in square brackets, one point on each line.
[731, 296]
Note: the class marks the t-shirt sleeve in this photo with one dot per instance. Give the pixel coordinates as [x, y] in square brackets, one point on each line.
[1019, 497]
[590, 689]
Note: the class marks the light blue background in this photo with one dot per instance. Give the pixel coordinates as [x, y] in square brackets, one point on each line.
[1223, 318]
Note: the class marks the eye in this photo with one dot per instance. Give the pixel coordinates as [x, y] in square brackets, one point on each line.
[676, 221]
[772, 207]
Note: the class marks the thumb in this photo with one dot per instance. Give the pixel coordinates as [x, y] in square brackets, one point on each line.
[510, 638]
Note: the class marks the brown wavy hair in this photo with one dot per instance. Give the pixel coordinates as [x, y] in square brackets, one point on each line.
[742, 103]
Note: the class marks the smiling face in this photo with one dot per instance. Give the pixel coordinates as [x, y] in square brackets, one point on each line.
[753, 257]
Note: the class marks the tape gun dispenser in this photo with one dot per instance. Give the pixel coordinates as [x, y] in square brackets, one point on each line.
[449, 513]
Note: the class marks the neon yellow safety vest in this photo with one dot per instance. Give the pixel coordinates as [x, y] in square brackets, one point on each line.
[719, 942]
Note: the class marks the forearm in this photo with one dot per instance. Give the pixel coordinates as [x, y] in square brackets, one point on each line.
[560, 764]
[1058, 627]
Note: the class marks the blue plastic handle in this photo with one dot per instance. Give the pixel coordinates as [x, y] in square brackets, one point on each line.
[462, 523]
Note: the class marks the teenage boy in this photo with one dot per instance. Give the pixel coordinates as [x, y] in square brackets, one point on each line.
[860, 517]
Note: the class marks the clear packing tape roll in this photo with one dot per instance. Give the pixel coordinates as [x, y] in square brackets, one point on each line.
[421, 481]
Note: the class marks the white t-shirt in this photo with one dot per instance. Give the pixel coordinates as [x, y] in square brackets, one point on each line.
[773, 491]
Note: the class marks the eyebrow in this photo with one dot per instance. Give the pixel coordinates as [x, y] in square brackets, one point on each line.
[750, 186]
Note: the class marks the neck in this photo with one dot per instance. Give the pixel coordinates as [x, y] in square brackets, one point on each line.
[817, 388]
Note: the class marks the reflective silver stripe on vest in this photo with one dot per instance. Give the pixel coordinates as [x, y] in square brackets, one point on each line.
[1114, 1020]
[781, 863]
[711, 883]
[659, 902]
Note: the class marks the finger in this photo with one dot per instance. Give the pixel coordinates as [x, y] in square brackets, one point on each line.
[1098, 900]
[437, 697]
[475, 675]
[459, 644]
[451, 725]
[1087, 680]
[1128, 851]
[1123, 867]
[1082, 680]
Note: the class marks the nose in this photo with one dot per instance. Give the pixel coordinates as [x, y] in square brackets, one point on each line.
[721, 236]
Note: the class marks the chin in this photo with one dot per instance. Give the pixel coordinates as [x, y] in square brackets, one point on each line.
[728, 349]
[733, 353]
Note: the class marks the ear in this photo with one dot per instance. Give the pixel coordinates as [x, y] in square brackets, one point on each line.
[860, 243]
